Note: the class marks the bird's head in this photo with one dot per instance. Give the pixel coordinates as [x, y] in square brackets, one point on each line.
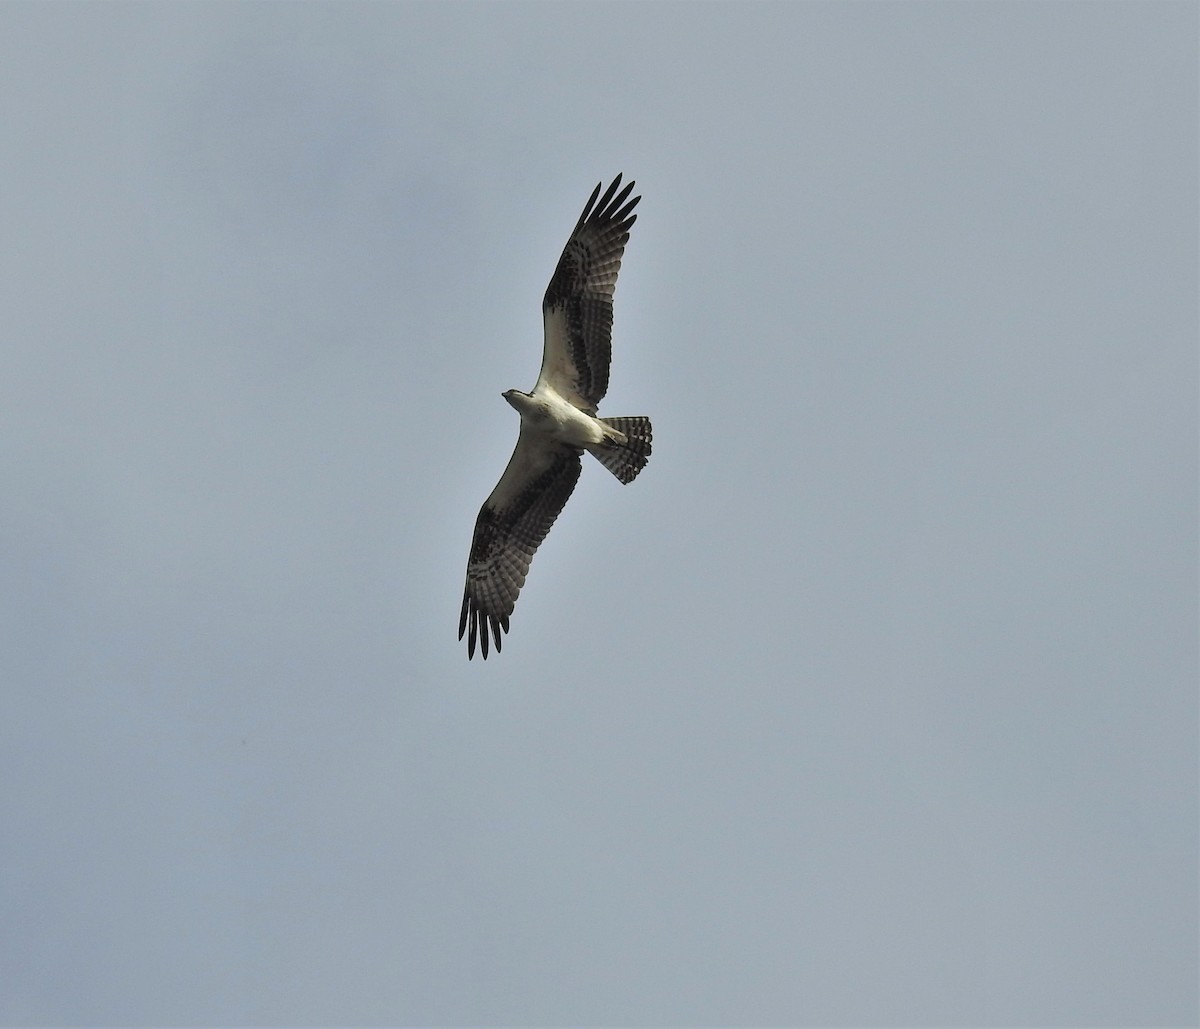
[516, 398]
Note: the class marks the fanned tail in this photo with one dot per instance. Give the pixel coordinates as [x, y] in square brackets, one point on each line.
[627, 451]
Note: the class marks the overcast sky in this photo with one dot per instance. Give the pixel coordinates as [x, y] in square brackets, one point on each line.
[872, 701]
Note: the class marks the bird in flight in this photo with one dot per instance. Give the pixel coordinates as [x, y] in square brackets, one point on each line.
[558, 419]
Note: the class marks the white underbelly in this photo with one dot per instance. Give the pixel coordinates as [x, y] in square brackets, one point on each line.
[565, 421]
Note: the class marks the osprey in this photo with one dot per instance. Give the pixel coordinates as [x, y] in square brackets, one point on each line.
[558, 419]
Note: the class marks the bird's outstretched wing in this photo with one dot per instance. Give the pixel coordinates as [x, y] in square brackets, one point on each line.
[577, 308]
[513, 521]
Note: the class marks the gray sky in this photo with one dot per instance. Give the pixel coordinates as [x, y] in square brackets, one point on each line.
[872, 701]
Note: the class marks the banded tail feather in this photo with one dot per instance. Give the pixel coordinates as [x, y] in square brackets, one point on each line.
[628, 456]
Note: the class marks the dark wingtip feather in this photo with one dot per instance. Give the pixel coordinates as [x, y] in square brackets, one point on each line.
[587, 208]
[602, 206]
[619, 199]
